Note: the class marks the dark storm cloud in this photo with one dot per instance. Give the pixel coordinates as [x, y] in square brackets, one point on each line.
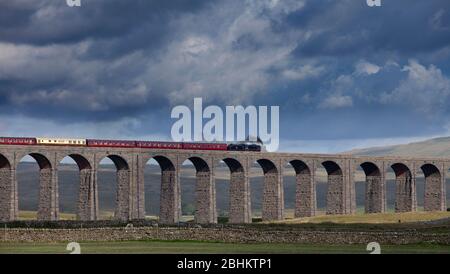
[349, 28]
[46, 72]
[49, 21]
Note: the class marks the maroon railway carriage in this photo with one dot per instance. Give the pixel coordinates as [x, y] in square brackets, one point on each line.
[205, 146]
[133, 144]
[17, 141]
[110, 143]
[159, 145]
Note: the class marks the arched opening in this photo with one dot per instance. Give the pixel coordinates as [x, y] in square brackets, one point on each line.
[289, 190]
[222, 177]
[335, 188]
[187, 191]
[420, 189]
[390, 189]
[6, 189]
[152, 189]
[405, 196]
[4, 163]
[301, 188]
[27, 174]
[359, 179]
[161, 199]
[321, 178]
[256, 190]
[68, 187]
[75, 188]
[113, 188]
[373, 194]
[36, 200]
[198, 199]
[434, 189]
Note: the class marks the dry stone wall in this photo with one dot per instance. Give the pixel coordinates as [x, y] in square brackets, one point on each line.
[227, 235]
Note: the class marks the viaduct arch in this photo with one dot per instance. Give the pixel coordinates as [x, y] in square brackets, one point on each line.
[130, 164]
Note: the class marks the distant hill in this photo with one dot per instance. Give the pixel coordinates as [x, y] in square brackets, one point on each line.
[437, 147]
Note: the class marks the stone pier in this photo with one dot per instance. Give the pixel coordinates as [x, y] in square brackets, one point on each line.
[435, 198]
[273, 196]
[130, 197]
[305, 191]
[240, 195]
[375, 195]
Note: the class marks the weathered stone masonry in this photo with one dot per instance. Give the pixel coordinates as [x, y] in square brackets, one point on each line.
[130, 164]
[228, 235]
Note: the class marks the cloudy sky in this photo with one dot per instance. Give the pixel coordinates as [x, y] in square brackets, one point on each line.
[344, 74]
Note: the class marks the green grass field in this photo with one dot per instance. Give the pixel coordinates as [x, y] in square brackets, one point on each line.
[193, 247]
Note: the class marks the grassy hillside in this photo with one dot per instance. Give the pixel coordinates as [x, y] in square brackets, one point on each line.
[438, 147]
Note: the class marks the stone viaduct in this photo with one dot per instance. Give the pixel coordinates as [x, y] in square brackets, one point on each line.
[130, 163]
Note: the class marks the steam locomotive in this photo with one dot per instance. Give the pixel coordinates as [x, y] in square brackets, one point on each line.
[241, 146]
